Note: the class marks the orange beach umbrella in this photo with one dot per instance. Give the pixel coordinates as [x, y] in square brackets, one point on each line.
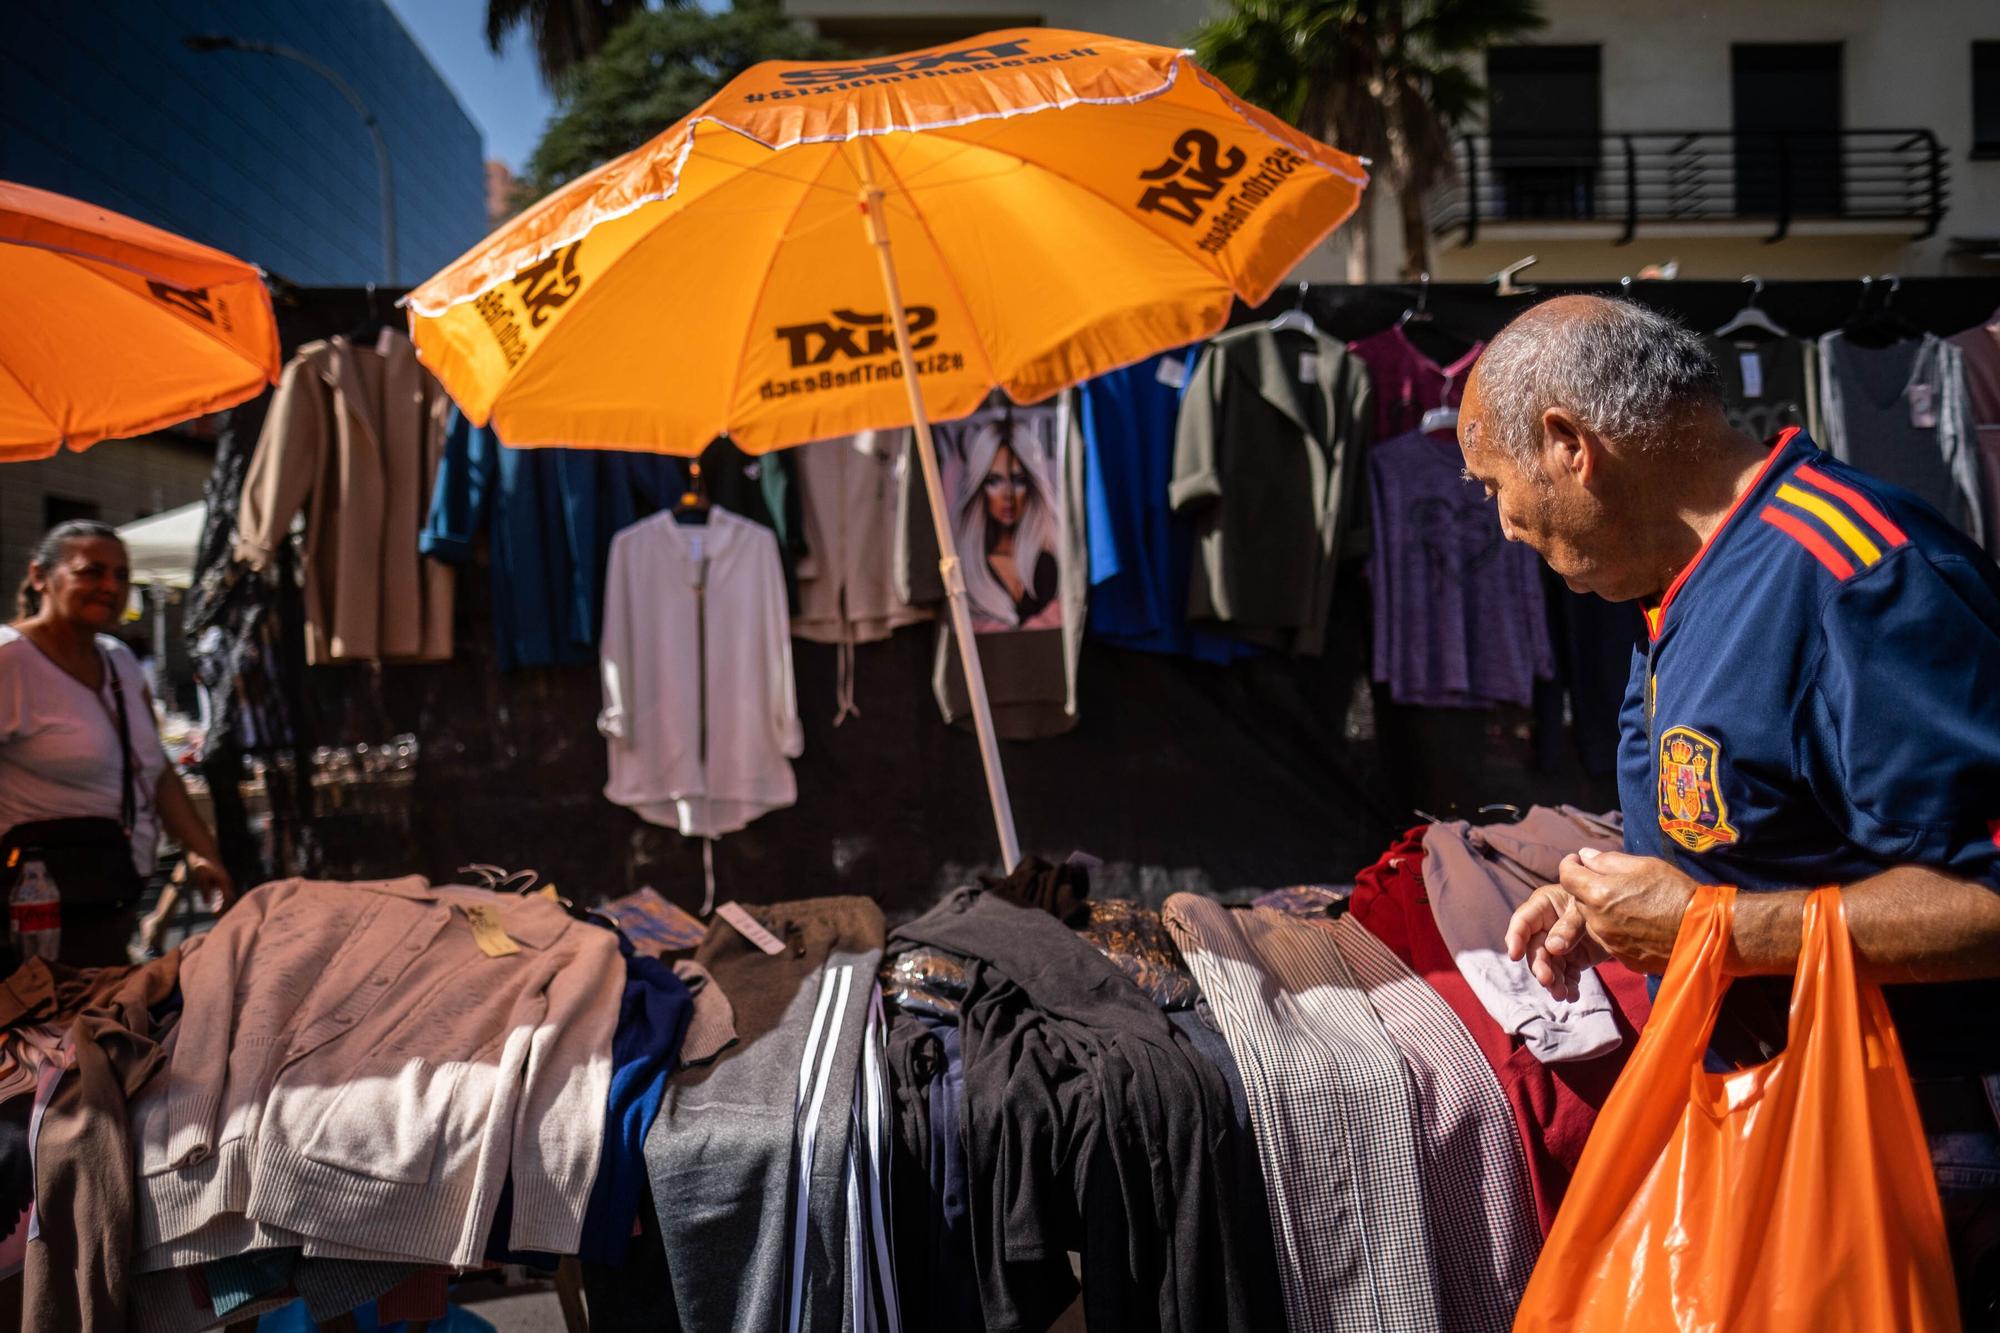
[115, 328]
[1060, 204]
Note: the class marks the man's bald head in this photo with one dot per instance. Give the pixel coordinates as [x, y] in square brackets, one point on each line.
[1634, 377]
[1597, 428]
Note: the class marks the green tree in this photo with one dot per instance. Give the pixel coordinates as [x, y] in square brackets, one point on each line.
[655, 69]
[565, 32]
[1385, 79]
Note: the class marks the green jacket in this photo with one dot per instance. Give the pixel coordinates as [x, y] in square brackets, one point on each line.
[1268, 465]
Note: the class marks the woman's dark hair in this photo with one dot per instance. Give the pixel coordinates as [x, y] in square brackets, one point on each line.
[50, 549]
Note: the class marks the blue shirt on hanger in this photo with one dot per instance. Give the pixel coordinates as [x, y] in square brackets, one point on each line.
[549, 515]
[1140, 552]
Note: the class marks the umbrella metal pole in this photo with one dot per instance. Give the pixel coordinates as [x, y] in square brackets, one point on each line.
[948, 565]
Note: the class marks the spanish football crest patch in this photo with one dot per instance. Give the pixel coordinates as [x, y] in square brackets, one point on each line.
[1692, 812]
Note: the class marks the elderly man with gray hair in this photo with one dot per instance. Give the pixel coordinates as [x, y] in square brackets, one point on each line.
[1817, 702]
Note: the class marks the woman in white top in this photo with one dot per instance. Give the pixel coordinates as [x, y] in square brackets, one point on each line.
[84, 784]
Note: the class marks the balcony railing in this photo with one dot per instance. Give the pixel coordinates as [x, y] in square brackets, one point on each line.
[1694, 176]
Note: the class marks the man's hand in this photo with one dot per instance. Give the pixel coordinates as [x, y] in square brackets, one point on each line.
[1609, 905]
[1549, 931]
[1632, 904]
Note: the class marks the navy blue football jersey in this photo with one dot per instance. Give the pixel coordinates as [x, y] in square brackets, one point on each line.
[1819, 700]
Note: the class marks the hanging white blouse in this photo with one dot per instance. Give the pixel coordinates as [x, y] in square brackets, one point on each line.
[700, 713]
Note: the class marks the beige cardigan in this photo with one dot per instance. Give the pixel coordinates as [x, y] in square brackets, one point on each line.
[847, 578]
[354, 436]
[351, 1069]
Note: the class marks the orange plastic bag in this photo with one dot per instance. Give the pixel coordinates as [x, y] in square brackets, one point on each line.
[1795, 1195]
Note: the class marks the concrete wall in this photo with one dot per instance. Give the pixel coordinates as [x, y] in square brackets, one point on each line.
[125, 479]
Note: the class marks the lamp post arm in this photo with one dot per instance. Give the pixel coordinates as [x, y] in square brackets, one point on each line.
[384, 174]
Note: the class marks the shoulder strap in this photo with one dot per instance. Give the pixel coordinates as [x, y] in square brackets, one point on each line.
[128, 805]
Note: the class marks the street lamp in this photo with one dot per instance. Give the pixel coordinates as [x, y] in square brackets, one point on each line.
[212, 41]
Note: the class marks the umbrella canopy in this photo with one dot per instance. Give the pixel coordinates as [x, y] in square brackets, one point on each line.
[162, 548]
[1062, 204]
[115, 328]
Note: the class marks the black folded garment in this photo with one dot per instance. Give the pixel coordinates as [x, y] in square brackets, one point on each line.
[1092, 1125]
[1061, 891]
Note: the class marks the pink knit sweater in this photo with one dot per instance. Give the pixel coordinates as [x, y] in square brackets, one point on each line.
[353, 1073]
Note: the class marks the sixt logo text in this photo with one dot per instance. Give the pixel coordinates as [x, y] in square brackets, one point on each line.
[193, 300]
[855, 335]
[1193, 174]
[547, 286]
[970, 55]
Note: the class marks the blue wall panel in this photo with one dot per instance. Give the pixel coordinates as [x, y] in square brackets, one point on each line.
[252, 154]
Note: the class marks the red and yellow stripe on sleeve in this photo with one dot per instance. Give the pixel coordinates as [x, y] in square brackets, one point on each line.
[1836, 523]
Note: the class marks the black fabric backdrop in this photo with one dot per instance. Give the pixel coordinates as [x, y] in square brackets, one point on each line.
[1181, 775]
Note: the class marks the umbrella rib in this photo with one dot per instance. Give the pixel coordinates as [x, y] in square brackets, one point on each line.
[120, 430]
[1152, 107]
[944, 266]
[186, 321]
[764, 283]
[588, 295]
[150, 275]
[1120, 209]
[40, 406]
[1000, 124]
[963, 146]
[811, 182]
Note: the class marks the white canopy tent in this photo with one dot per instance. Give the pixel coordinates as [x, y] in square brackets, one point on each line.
[162, 548]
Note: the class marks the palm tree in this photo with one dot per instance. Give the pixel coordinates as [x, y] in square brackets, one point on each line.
[566, 32]
[1382, 78]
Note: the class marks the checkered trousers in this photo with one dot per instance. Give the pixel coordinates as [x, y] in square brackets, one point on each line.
[1483, 1229]
[1334, 1114]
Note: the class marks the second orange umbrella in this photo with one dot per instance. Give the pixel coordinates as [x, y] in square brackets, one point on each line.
[115, 328]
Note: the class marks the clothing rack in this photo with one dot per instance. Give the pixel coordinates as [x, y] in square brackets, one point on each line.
[1277, 724]
[1808, 308]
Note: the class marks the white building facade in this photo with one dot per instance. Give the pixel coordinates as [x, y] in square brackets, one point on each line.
[1791, 138]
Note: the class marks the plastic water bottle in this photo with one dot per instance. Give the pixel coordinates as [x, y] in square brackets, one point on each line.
[34, 914]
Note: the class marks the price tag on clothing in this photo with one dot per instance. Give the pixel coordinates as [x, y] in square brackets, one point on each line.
[1752, 366]
[1923, 406]
[487, 932]
[1171, 371]
[1309, 367]
[750, 928]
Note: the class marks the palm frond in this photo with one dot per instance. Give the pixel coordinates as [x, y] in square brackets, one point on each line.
[1454, 27]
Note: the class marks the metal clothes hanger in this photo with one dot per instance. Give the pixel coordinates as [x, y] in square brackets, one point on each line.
[521, 881]
[693, 506]
[1421, 330]
[1295, 320]
[371, 325]
[1420, 313]
[499, 879]
[1752, 318]
[1503, 281]
[1876, 322]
